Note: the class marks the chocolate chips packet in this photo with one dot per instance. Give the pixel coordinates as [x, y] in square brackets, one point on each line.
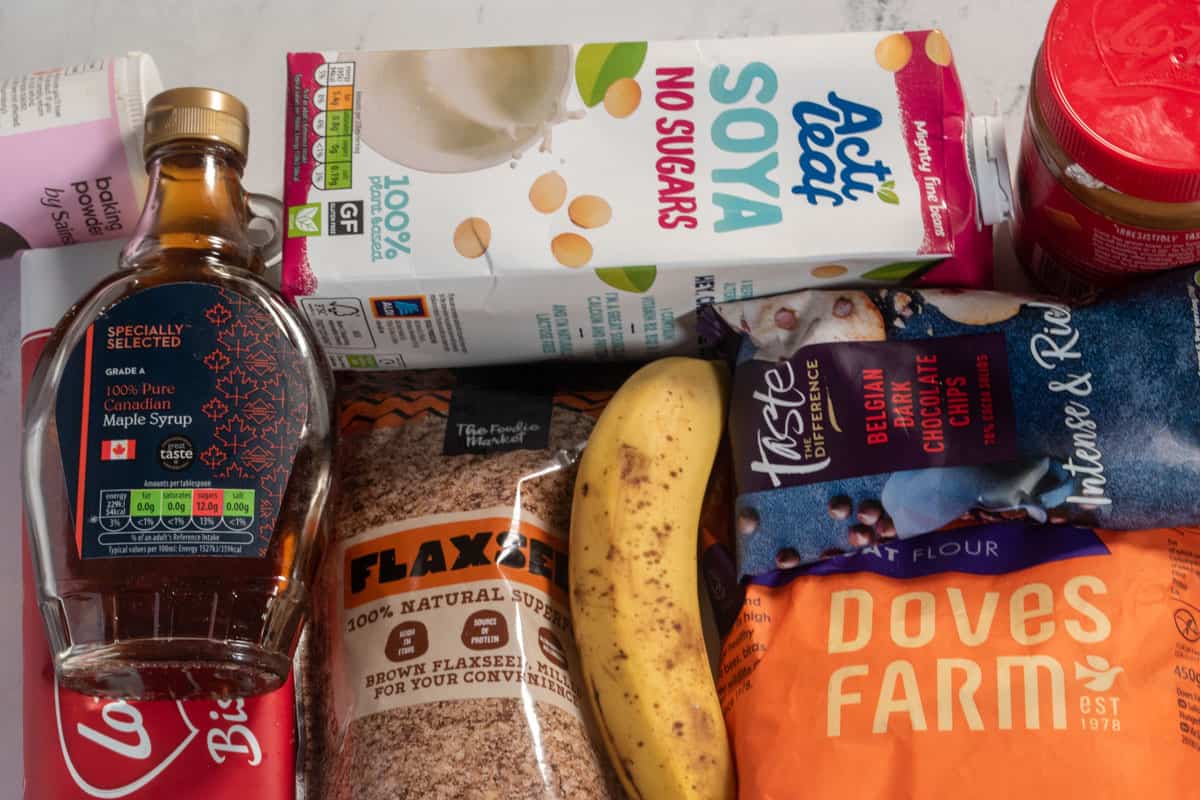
[860, 416]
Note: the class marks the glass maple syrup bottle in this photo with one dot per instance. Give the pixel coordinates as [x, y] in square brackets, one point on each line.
[178, 441]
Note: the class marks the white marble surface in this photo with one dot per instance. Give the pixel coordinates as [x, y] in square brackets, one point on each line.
[239, 46]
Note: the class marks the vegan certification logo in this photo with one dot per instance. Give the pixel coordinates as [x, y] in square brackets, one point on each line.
[304, 220]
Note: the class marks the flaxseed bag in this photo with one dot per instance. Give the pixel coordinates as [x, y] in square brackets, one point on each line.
[441, 662]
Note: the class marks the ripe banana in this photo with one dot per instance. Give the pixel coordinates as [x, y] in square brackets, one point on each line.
[634, 597]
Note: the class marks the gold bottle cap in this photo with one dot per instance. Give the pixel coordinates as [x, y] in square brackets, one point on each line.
[196, 113]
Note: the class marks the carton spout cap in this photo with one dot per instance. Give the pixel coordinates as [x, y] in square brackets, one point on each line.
[989, 163]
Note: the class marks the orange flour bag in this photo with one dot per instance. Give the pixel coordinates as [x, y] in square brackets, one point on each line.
[991, 662]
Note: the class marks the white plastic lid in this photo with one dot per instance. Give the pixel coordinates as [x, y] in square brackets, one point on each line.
[135, 80]
[989, 165]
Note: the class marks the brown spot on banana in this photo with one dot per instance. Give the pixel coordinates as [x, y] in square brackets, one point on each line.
[633, 465]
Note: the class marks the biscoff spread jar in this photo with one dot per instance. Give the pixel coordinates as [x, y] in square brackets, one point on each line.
[1108, 184]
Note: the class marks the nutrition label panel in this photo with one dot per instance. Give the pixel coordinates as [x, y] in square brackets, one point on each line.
[332, 124]
[176, 517]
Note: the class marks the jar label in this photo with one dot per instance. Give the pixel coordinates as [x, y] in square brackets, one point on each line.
[179, 415]
[1070, 248]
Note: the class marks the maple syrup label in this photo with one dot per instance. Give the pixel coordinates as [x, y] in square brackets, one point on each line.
[179, 416]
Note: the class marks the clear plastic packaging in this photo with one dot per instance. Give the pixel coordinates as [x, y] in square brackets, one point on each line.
[442, 661]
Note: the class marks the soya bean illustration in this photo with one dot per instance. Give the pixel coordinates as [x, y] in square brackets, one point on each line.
[571, 249]
[623, 97]
[893, 52]
[828, 271]
[548, 192]
[472, 237]
[937, 47]
[589, 211]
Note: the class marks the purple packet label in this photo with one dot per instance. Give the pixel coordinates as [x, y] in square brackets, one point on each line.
[861, 417]
[859, 408]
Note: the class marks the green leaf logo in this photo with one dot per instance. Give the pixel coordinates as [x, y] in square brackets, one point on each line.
[304, 220]
[629, 279]
[900, 270]
[598, 66]
[887, 193]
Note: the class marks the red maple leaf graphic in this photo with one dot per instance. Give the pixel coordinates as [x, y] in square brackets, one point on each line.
[214, 409]
[234, 433]
[274, 425]
[240, 305]
[234, 470]
[238, 339]
[275, 392]
[213, 456]
[216, 361]
[218, 314]
[236, 386]
[272, 384]
[282, 474]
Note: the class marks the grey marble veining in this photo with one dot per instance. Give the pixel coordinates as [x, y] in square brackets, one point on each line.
[240, 46]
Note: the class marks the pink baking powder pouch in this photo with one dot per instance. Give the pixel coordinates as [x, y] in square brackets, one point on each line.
[487, 205]
[70, 152]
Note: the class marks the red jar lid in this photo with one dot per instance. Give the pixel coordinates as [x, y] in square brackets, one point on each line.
[1118, 85]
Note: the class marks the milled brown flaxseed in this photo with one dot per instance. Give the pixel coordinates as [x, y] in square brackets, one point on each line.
[393, 469]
